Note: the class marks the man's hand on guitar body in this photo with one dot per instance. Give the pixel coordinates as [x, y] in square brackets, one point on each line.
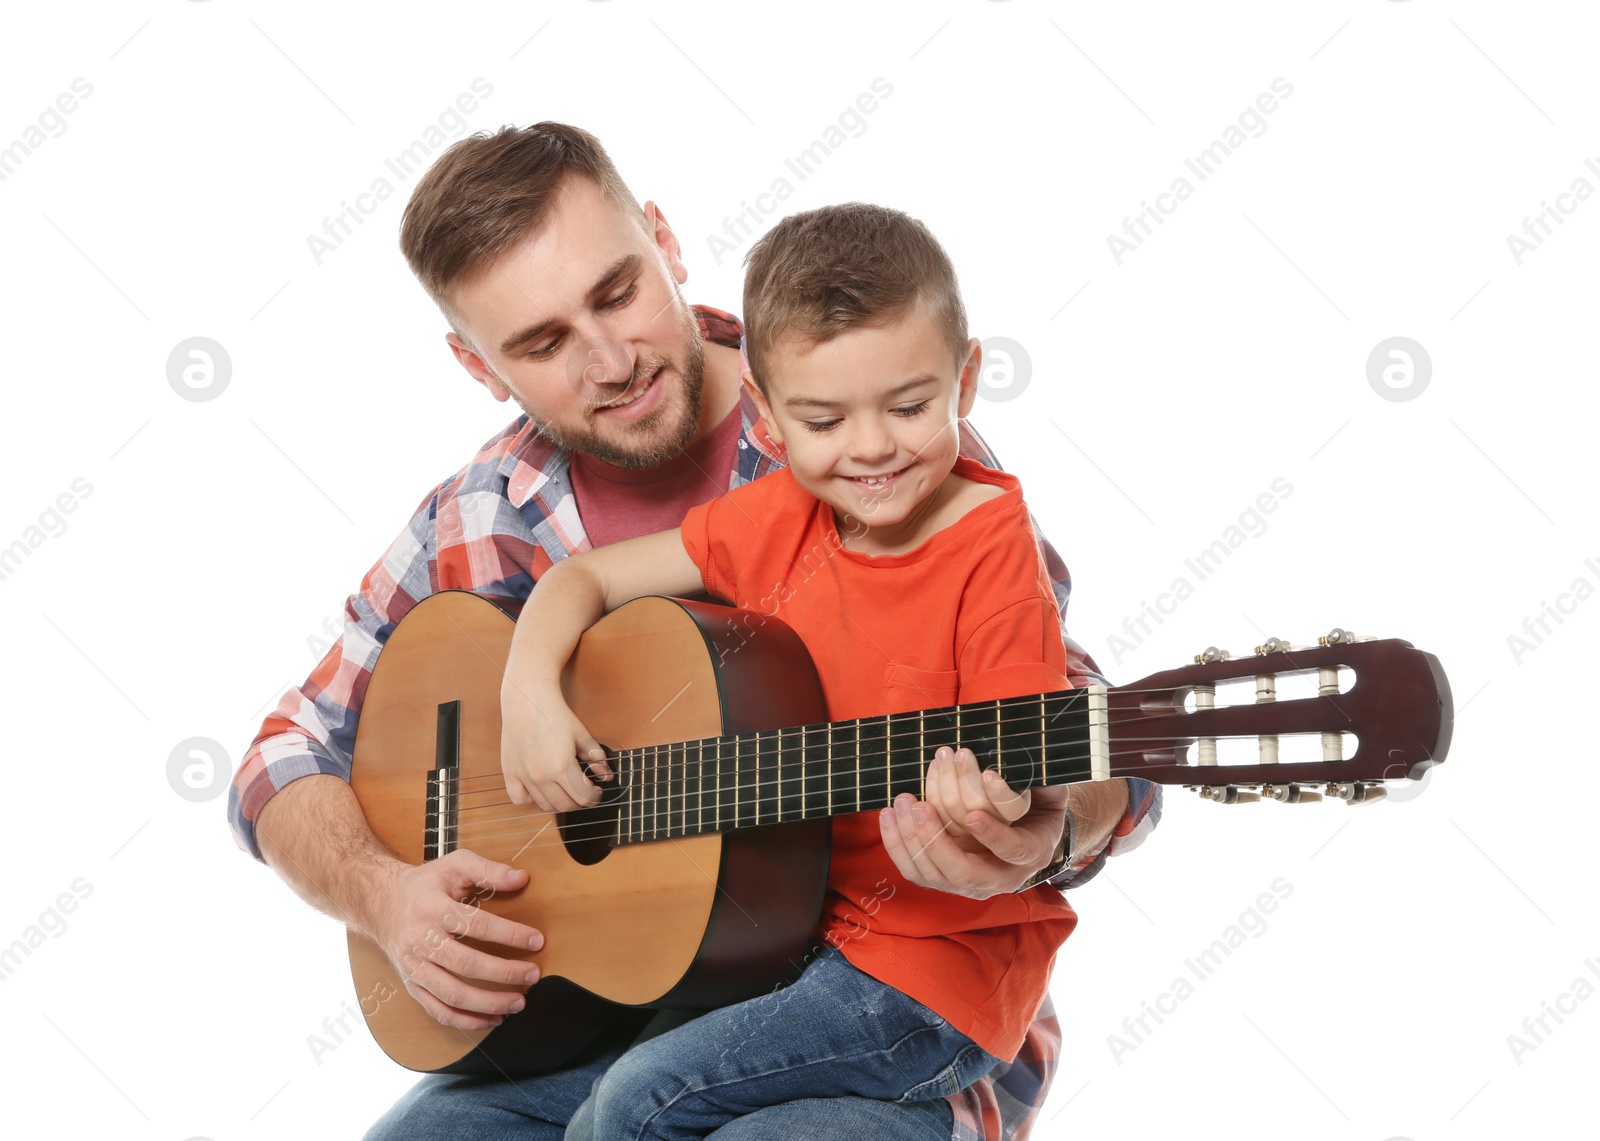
[425, 912]
[316, 837]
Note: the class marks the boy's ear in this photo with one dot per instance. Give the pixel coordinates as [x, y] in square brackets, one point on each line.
[763, 407]
[970, 370]
[474, 364]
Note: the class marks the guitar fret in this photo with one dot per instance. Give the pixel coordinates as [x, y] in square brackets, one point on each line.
[647, 787]
[817, 797]
[664, 791]
[674, 792]
[857, 751]
[999, 751]
[688, 774]
[666, 787]
[922, 746]
[680, 822]
[1014, 729]
[958, 742]
[878, 753]
[805, 775]
[830, 768]
[1044, 753]
[657, 800]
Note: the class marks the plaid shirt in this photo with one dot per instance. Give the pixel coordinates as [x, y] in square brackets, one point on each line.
[493, 528]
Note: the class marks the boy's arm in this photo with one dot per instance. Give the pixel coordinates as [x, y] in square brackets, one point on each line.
[540, 738]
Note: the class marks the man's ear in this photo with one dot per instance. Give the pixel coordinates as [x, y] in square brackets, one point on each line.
[970, 371]
[661, 232]
[474, 364]
[763, 407]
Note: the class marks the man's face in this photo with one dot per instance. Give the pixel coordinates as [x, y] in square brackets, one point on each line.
[583, 326]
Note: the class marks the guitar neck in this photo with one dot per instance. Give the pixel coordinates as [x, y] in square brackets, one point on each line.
[721, 784]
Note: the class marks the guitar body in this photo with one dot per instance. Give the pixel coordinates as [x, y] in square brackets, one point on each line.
[694, 922]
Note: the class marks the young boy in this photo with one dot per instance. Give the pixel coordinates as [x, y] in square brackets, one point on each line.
[932, 592]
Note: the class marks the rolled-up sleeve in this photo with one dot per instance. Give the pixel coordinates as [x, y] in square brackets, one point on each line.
[313, 727]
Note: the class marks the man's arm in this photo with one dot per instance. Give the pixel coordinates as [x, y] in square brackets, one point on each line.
[291, 805]
[315, 836]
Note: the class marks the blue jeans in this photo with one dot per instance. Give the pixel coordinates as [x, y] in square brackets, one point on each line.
[837, 1055]
[835, 1033]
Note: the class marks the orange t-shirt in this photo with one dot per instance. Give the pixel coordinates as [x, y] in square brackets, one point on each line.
[967, 616]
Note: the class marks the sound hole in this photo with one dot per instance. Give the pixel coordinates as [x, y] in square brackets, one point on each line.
[588, 832]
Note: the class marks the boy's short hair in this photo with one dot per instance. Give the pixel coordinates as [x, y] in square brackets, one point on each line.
[823, 272]
[487, 193]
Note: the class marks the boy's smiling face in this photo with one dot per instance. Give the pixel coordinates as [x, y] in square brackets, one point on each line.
[870, 422]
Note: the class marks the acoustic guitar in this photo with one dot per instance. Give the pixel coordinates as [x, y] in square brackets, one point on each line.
[698, 880]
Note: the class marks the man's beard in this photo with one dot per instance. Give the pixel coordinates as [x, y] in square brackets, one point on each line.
[654, 439]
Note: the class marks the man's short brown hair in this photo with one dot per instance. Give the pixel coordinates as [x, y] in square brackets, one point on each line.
[487, 193]
[823, 272]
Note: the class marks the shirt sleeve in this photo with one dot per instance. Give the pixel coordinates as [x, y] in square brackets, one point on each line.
[1004, 1104]
[1013, 652]
[1144, 797]
[313, 728]
[696, 533]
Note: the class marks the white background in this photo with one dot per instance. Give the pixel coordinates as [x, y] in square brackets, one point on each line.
[1163, 396]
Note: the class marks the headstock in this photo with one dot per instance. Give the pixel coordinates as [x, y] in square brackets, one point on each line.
[1393, 698]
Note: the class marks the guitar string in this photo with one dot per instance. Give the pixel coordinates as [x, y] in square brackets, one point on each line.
[765, 737]
[1113, 693]
[610, 825]
[1022, 703]
[667, 767]
[681, 770]
[676, 764]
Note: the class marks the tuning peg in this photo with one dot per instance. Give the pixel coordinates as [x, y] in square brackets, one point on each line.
[1228, 794]
[1273, 646]
[1211, 654]
[1357, 792]
[1339, 636]
[1290, 793]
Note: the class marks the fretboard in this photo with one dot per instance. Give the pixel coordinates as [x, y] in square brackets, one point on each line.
[721, 784]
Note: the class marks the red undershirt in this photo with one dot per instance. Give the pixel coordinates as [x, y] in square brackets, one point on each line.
[623, 503]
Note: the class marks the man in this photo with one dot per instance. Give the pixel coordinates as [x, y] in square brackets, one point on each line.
[562, 294]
